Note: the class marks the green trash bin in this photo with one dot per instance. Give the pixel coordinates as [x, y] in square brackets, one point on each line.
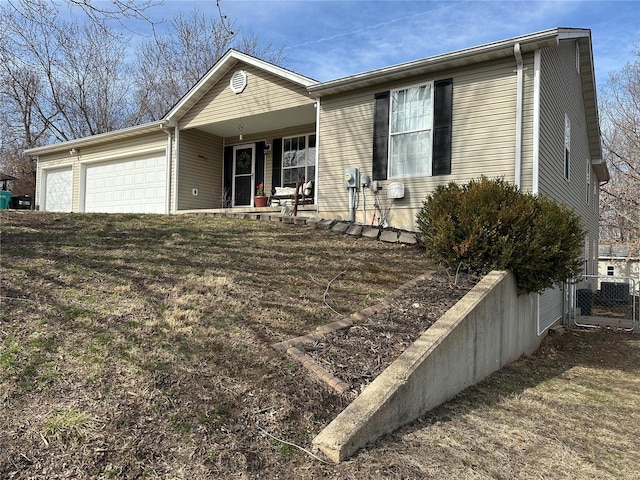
[5, 199]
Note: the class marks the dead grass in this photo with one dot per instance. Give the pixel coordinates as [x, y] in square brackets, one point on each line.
[156, 331]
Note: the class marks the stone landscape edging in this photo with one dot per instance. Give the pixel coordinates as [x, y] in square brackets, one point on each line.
[387, 235]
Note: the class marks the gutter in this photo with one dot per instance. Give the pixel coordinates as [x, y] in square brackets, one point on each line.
[177, 177]
[519, 102]
[101, 137]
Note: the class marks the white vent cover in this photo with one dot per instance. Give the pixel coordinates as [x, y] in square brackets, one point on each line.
[395, 190]
[238, 81]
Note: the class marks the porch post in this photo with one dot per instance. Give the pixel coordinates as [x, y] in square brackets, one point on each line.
[315, 180]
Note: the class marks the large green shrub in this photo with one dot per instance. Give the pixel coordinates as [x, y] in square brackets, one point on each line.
[490, 225]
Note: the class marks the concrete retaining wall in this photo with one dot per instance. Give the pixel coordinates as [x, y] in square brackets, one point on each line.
[489, 328]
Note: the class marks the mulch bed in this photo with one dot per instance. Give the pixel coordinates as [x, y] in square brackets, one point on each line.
[357, 355]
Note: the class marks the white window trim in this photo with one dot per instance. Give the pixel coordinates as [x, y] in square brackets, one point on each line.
[429, 171]
[306, 156]
[588, 182]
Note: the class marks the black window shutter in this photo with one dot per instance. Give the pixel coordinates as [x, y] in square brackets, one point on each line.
[276, 156]
[442, 113]
[228, 174]
[259, 163]
[380, 136]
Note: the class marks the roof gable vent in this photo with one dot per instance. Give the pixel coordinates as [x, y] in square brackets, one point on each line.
[238, 81]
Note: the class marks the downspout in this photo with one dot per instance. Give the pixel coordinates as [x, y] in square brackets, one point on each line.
[519, 102]
[315, 180]
[535, 170]
[169, 155]
[536, 123]
[176, 169]
[36, 191]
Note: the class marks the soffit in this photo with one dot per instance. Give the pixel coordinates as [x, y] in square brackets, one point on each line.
[266, 122]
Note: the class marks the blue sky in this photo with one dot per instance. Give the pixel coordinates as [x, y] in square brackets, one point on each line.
[330, 39]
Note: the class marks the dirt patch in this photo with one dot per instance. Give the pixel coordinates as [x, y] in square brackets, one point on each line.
[357, 355]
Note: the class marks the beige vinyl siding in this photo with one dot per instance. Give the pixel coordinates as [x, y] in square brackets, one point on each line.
[200, 167]
[483, 136]
[265, 93]
[560, 94]
[98, 152]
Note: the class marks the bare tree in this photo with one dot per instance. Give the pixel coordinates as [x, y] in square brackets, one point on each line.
[98, 13]
[88, 84]
[63, 78]
[77, 71]
[620, 199]
[168, 66]
[58, 81]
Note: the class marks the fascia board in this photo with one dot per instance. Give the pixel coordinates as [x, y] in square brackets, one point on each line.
[101, 137]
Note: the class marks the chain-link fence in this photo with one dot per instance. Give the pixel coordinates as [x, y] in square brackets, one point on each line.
[605, 301]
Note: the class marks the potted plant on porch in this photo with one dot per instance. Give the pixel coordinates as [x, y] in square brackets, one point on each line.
[260, 200]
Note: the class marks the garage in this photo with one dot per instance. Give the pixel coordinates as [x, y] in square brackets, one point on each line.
[58, 189]
[131, 185]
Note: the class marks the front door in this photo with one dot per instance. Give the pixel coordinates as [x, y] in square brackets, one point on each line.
[243, 166]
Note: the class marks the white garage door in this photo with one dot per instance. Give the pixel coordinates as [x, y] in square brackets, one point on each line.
[58, 188]
[133, 185]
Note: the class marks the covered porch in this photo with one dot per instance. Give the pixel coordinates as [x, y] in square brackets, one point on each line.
[246, 129]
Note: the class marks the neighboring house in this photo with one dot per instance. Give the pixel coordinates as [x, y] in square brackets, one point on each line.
[524, 109]
[620, 263]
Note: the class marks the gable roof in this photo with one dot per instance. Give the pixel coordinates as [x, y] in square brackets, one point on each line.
[221, 68]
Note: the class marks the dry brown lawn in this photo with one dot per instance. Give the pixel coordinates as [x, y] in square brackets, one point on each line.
[138, 347]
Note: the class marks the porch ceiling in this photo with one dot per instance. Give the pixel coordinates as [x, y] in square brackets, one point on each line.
[265, 122]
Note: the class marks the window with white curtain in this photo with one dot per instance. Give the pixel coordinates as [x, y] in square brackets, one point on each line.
[410, 131]
[298, 159]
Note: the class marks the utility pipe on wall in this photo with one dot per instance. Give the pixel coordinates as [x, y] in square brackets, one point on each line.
[352, 204]
[519, 107]
[537, 59]
[169, 153]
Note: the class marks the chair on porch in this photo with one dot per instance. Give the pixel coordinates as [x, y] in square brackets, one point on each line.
[301, 194]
